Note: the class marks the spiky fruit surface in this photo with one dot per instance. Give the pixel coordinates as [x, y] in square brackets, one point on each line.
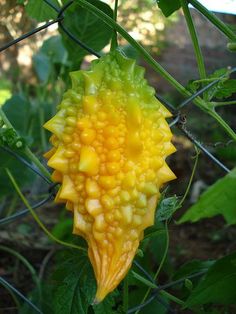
[110, 140]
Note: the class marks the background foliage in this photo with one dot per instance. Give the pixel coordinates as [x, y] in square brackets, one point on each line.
[60, 280]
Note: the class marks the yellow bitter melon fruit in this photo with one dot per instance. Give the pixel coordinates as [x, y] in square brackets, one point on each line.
[110, 140]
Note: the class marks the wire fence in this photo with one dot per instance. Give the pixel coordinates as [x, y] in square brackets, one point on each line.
[179, 120]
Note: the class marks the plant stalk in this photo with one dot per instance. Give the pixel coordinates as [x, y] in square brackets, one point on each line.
[194, 37]
[37, 162]
[171, 297]
[223, 103]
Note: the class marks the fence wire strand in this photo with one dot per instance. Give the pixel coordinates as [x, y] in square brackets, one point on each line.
[179, 121]
[23, 212]
[25, 162]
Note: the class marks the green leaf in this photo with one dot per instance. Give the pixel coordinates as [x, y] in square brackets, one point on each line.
[219, 284]
[24, 117]
[43, 66]
[17, 110]
[43, 302]
[86, 27]
[223, 89]
[21, 173]
[63, 228]
[226, 90]
[211, 92]
[74, 285]
[70, 289]
[55, 50]
[219, 199]
[157, 247]
[143, 280]
[166, 208]
[40, 10]
[52, 53]
[152, 232]
[36, 125]
[192, 267]
[227, 153]
[107, 305]
[168, 6]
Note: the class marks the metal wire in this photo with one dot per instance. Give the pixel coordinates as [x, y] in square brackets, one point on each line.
[155, 293]
[156, 296]
[66, 31]
[176, 282]
[178, 120]
[205, 88]
[140, 306]
[144, 272]
[79, 42]
[34, 31]
[58, 20]
[25, 162]
[203, 149]
[25, 211]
